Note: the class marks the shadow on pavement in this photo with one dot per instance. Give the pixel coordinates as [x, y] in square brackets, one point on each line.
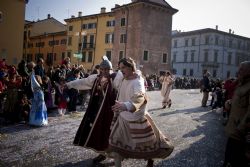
[185, 111]
[86, 163]
[207, 151]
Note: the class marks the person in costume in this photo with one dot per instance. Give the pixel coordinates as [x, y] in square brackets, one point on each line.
[94, 130]
[38, 113]
[133, 132]
[167, 81]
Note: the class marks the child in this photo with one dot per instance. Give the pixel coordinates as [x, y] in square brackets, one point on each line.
[47, 88]
[62, 97]
[24, 109]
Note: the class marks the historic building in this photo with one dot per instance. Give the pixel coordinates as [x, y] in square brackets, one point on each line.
[216, 51]
[140, 29]
[47, 39]
[143, 32]
[90, 37]
[12, 15]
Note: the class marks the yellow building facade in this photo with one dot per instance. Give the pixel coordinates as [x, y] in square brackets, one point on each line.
[46, 39]
[12, 14]
[92, 36]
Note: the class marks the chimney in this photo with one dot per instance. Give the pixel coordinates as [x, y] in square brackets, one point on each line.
[230, 31]
[72, 16]
[79, 14]
[116, 5]
[48, 16]
[103, 10]
[216, 27]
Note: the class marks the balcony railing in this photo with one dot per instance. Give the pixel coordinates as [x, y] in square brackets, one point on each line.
[86, 46]
[210, 64]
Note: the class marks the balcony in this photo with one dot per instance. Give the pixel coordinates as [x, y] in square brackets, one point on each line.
[86, 46]
[210, 65]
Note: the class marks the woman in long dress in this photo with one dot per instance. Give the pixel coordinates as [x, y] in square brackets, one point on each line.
[38, 113]
[167, 82]
[133, 132]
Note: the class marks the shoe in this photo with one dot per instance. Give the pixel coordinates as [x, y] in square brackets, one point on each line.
[99, 158]
[169, 105]
[163, 107]
[150, 163]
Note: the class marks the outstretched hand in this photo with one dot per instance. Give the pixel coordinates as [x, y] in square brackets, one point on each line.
[119, 106]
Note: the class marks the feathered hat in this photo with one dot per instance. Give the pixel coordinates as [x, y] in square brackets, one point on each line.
[105, 63]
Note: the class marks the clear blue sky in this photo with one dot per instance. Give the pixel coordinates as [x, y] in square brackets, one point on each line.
[192, 15]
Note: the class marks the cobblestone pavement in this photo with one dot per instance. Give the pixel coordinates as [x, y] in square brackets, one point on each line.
[196, 132]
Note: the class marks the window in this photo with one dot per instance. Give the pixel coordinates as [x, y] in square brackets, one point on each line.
[69, 41]
[90, 57]
[69, 54]
[237, 59]
[230, 45]
[205, 56]
[83, 56]
[63, 41]
[175, 56]
[185, 56]
[54, 56]
[207, 40]
[216, 40]
[228, 74]
[108, 54]
[191, 72]
[186, 42]
[110, 23]
[84, 26]
[145, 55]
[216, 56]
[123, 21]
[109, 38]
[164, 58]
[229, 58]
[121, 54]
[214, 73]
[84, 38]
[239, 44]
[91, 41]
[192, 56]
[184, 72]
[70, 28]
[63, 56]
[39, 44]
[193, 42]
[51, 43]
[49, 59]
[123, 38]
[91, 25]
[175, 43]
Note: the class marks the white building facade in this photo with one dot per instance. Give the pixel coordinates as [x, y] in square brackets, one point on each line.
[208, 49]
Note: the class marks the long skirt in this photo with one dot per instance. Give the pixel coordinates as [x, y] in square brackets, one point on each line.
[139, 139]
